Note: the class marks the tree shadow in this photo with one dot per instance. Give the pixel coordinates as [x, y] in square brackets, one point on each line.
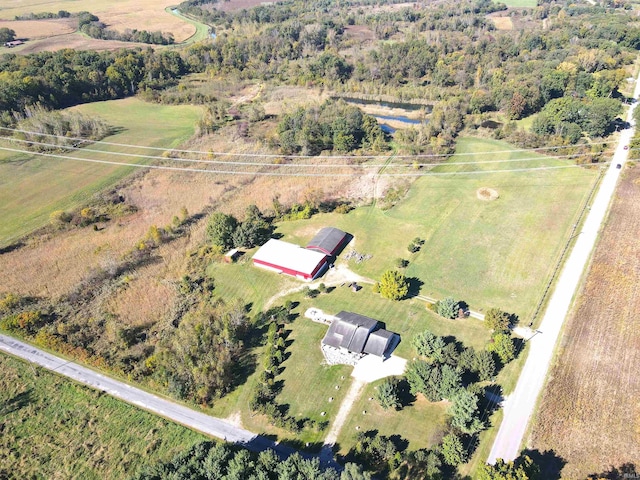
[16, 402]
[623, 472]
[550, 464]
[405, 396]
[243, 368]
[11, 248]
[415, 284]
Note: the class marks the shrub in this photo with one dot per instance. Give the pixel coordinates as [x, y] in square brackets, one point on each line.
[387, 394]
[502, 345]
[402, 263]
[497, 320]
[447, 308]
[393, 285]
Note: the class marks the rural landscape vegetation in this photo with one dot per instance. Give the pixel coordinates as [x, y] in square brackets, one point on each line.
[149, 149]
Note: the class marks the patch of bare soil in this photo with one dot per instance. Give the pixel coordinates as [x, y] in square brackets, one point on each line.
[590, 413]
[487, 194]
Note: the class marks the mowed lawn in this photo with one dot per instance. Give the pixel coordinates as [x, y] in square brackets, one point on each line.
[55, 428]
[488, 253]
[32, 186]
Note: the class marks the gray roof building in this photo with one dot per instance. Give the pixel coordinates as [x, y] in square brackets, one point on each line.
[328, 240]
[378, 342]
[358, 334]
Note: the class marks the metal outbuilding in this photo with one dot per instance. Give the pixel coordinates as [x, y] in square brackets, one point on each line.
[329, 240]
[284, 257]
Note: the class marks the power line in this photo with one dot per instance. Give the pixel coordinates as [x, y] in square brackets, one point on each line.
[282, 174]
[291, 165]
[271, 155]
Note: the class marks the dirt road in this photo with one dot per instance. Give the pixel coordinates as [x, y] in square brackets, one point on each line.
[519, 407]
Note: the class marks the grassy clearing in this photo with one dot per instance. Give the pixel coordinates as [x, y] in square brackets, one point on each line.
[244, 281]
[496, 253]
[55, 428]
[503, 23]
[201, 30]
[420, 423]
[31, 187]
[594, 387]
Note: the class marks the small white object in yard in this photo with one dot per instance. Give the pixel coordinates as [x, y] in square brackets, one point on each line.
[370, 398]
[364, 412]
[342, 377]
[337, 387]
[307, 444]
[322, 414]
[358, 427]
[331, 399]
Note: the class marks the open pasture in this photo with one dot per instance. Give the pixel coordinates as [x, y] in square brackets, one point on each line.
[494, 253]
[33, 186]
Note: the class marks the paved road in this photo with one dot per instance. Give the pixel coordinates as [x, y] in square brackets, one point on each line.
[170, 410]
[519, 407]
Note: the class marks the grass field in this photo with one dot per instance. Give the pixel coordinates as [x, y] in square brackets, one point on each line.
[421, 423]
[55, 428]
[488, 254]
[589, 413]
[31, 187]
[117, 14]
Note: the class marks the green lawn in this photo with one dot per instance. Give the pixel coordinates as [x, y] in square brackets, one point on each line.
[421, 424]
[497, 253]
[55, 428]
[31, 186]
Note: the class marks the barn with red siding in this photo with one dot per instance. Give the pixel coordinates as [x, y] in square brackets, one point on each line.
[290, 259]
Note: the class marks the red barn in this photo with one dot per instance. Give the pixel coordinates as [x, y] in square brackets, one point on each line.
[283, 257]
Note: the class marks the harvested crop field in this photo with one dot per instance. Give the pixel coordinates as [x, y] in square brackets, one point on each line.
[31, 29]
[590, 414]
[75, 41]
[117, 14]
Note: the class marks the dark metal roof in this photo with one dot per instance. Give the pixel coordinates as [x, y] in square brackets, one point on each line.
[359, 340]
[378, 342]
[357, 319]
[328, 240]
[350, 331]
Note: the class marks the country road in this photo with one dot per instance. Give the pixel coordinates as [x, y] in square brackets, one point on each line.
[173, 411]
[519, 406]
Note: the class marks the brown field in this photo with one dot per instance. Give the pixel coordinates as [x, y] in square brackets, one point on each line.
[75, 41]
[590, 413]
[503, 23]
[117, 14]
[361, 33]
[33, 29]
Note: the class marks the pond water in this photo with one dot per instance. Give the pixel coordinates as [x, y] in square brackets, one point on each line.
[404, 106]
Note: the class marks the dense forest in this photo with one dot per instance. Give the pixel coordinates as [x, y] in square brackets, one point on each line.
[451, 56]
